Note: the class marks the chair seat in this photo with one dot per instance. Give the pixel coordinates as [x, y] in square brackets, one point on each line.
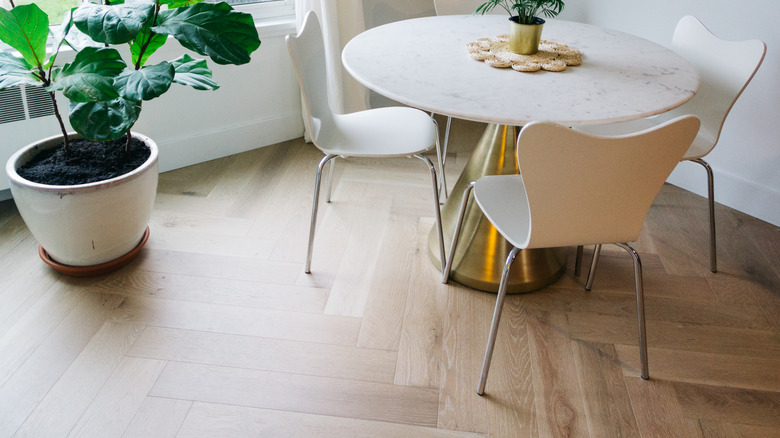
[381, 132]
[700, 147]
[510, 214]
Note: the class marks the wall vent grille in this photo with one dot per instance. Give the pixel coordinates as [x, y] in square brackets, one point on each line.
[24, 102]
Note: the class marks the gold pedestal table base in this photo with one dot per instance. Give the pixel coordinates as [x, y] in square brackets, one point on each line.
[482, 251]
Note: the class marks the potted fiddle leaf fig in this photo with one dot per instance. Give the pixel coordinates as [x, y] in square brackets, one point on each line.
[525, 27]
[87, 196]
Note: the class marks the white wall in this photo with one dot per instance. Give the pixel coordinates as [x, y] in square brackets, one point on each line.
[746, 161]
[257, 104]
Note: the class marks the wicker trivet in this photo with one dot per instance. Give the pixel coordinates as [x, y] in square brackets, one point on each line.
[551, 56]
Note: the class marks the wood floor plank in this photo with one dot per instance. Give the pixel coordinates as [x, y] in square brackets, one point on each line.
[712, 429]
[159, 418]
[207, 420]
[706, 368]
[337, 330]
[681, 310]
[43, 367]
[350, 290]
[722, 404]
[647, 396]
[383, 315]
[69, 398]
[675, 336]
[216, 242]
[266, 354]
[298, 393]
[511, 408]
[465, 331]
[213, 266]
[559, 403]
[115, 406]
[601, 378]
[204, 222]
[212, 290]
[421, 336]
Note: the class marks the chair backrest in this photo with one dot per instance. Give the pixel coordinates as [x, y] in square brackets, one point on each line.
[725, 68]
[307, 52]
[585, 189]
[460, 7]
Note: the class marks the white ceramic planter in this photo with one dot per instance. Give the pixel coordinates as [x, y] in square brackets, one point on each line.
[86, 224]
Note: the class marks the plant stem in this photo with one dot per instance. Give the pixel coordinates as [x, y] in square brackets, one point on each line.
[127, 143]
[138, 63]
[66, 141]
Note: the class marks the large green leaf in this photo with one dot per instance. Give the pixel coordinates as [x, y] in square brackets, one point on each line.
[214, 30]
[90, 77]
[15, 71]
[113, 24]
[193, 72]
[104, 121]
[146, 83]
[137, 45]
[26, 28]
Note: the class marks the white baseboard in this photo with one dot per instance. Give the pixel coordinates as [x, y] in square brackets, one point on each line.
[182, 151]
[749, 198]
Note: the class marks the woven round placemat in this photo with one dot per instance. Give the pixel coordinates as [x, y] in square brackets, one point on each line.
[552, 56]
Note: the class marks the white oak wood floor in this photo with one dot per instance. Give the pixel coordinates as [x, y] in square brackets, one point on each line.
[215, 331]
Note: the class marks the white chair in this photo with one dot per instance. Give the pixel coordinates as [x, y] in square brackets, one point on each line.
[575, 189]
[725, 68]
[383, 132]
[452, 7]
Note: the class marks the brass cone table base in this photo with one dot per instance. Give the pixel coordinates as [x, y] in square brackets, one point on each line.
[482, 251]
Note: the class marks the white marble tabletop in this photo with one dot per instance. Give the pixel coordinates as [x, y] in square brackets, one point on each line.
[423, 63]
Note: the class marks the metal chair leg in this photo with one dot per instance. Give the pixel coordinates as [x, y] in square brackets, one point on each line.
[711, 198]
[640, 309]
[593, 264]
[330, 181]
[496, 318]
[440, 157]
[578, 261]
[446, 140]
[445, 273]
[437, 209]
[313, 225]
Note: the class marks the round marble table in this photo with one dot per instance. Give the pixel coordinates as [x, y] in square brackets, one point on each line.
[423, 63]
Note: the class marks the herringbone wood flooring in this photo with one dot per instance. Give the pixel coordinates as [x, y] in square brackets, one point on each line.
[215, 331]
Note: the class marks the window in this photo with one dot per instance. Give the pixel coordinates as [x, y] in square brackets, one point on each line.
[258, 8]
[262, 8]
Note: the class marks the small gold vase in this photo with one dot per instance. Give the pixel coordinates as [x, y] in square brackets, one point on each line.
[524, 38]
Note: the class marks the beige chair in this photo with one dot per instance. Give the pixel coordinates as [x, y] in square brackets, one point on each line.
[383, 132]
[725, 68]
[576, 189]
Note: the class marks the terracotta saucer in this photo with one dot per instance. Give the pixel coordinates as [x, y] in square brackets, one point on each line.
[94, 270]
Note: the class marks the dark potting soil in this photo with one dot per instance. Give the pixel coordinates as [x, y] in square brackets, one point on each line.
[88, 161]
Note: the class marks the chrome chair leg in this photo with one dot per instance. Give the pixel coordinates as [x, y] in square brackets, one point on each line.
[593, 264]
[440, 157]
[711, 196]
[445, 273]
[446, 140]
[313, 225]
[496, 318]
[330, 181]
[578, 261]
[640, 309]
[437, 209]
